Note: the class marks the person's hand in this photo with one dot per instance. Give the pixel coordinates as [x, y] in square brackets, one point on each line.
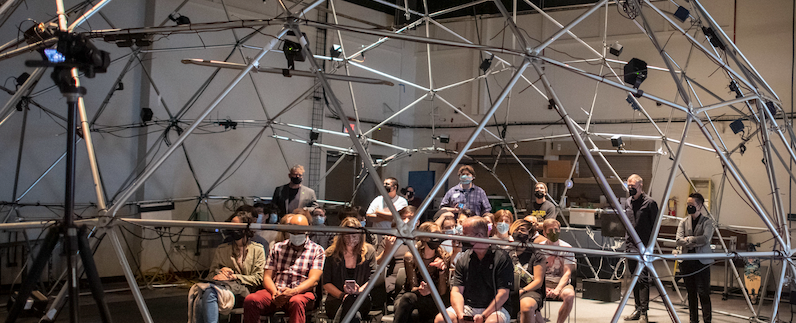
[226, 271]
[523, 291]
[459, 317]
[478, 318]
[548, 292]
[554, 293]
[279, 298]
[423, 289]
[220, 277]
[290, 292]
[439, 263]
[348, 289]
[389, 241]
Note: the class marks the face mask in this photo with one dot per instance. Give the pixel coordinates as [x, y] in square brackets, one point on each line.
[351, 239]
[552, 236]
[489, 229]
[458, 229]
[691, 209]
[234, 234]
[520, 237]
[410, 195]
[363, 222]
[388, 188]
[273, 218]
[295, 180]
[450, 231]
[320, 220]
[502, 227]
[297, 239]
[633, 191]
[466, 179]
[538, 194]
[260, 218]
[434, 243]
[448, 248]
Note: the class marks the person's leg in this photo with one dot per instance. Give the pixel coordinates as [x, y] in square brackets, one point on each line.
[426, 308]
[256, 304]
[210, 305]
[644, 290]
[703, 290]
[568, 298]
[691, 288]
[297, 305]
[348, 302]
[451, 314]
[500, 316]
[631, 266]
[527, 310]
[404, 307]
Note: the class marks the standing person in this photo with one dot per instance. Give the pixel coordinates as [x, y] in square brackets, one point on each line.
[412, 198]
[694, 234]
[350, 263]
[418, 293]
[541, 208]
[319, 220]
[529, 265]
[292, 270]
[482, 279]
[378, 213]
[559, 269]
[466, 195]
[642, 211]
[293, 195]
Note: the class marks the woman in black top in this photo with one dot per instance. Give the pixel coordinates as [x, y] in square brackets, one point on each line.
[529, 265]
[418, 295]
[348, 258]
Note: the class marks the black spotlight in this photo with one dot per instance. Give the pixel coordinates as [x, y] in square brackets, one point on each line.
[681, 14]
[293, 53]
[635, 72]
[314, 135]
[179, 19]
[335, 51]
[616, 49]
[737, 126]
[486, 63]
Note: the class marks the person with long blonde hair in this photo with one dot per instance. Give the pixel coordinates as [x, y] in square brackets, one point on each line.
[350, 263]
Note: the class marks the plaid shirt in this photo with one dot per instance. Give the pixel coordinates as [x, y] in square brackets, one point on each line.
[292, 267]
[473, 198]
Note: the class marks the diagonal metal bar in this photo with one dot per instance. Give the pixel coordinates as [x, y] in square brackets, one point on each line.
[24, 90]
[87, 14]
[626, 296]
[430, 281]
[538, 49]
[667, 301]
[513, 26]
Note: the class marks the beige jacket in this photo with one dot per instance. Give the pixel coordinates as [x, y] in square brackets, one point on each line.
[698, 237]
[250, 274]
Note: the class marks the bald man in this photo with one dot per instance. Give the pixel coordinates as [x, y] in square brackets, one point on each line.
[292, 271]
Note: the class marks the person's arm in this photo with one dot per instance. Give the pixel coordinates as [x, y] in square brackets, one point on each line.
[485, 206]
[565, 275]
[386, 244]
[457, 301]
[255, 276]
[707, 234]
[550, 213]
[680, 238]
[268, 283]
[312, 202]
[309, 284]
[538, 278]
[381, 215]
[504, 282]
[500, 298]
[411, 281]
[215, 264]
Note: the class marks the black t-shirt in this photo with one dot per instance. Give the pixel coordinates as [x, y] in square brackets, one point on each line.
[544, 211]
[291, 194]
[481, 278]
[523, 266]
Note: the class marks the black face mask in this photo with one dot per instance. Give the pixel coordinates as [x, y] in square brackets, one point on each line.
[234, 234]
[520, 237]
[466, 245]
[410, 195]
[388, 188]
[633, 191]
[434, 243]
[295, 180]
[538, 194]
[691, 209]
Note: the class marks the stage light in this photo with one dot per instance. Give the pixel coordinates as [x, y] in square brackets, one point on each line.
[616, 48]
[179, 19]
[335, 51]
[737, 126]
[635, 72]
[616, 141]
[681, 14]
[314, 135]
[22, 78]
[486, 63]
[443, 138]
[228, 124]
[293, 53]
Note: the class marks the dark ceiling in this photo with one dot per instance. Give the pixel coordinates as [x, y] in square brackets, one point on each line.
[486, 8]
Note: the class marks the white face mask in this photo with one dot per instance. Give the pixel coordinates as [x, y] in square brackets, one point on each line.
[297, 239]
[273, 218]
[502, 227]
[320, 220]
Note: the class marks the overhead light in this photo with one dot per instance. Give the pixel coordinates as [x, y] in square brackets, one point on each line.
[336, 51]
[293, 53]
[635, 72]
[486, 63]
[616, 141]
[616, 48]
[179, 19]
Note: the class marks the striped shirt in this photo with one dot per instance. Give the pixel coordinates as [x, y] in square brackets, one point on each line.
[292, 267]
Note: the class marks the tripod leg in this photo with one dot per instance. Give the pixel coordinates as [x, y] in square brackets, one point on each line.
[93, 276]
[34, 273]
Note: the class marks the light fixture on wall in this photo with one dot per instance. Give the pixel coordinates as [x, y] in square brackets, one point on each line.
[616, 48]
[179, 19]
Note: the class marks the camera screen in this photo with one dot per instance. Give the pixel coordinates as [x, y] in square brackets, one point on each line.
[54, 56]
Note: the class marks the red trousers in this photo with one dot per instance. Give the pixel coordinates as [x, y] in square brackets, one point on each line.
[261, 303]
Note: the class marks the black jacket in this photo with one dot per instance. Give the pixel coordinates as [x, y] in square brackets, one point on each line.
[643, 220]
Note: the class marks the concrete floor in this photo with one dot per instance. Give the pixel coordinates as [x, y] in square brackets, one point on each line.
[170, 305]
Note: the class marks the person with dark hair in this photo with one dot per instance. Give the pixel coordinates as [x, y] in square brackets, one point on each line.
[465, 195]
[642, 211]
[693, 235]
[559, 269]
[418, 293]
[292, 270]
[378, 212]
[482, 279]
[319, 220]
[530, 266]
[236, 270]
[350, 263]
[243, 214]
[293, 195]
[541, 208]
[413, 199]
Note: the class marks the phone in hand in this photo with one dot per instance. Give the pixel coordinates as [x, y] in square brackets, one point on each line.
[351, 284]
[460, 205]
[468, 318]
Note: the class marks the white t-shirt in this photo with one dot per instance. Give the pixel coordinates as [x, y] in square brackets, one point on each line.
[556, 260]
[378, 203]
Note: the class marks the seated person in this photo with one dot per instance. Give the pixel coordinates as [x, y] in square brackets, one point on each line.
[323, 239]
[503, 220]
[350, 263]
[249, 214]
[448, 226]
[530, 265]
[482, 279]
[236, 269]
[292, 270]
[397, 261]
[418, 293]
[560, 265]
[536, 237]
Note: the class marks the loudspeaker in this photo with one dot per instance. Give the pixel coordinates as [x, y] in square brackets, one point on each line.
[635, 72]
[602, 290]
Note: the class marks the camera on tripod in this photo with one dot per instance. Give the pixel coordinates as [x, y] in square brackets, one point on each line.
[72, 51]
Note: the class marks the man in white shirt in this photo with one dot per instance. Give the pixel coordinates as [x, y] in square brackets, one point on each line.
[378, 213]
[560, 265]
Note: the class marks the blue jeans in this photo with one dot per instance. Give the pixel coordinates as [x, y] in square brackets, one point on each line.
[207, 312]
